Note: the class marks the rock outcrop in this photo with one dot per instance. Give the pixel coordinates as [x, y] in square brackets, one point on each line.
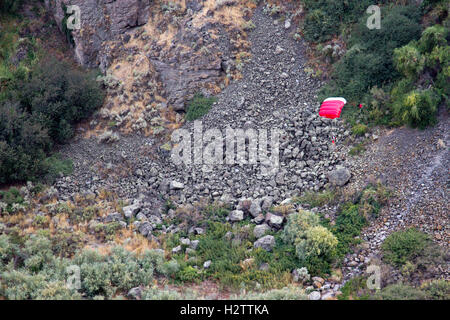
[101, 20]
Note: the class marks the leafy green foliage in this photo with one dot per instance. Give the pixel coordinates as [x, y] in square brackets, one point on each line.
[312, 241]
[286, 293]
[437, 290]
[355, 289]
[31, 270]
[317, 199]
[10, 6]
[235, 263]
[199, 106]
[369, 62]
[353, 216]
[403, 246]
[47, 103]
[359, 129]
[400, 292]
[11, 198]
[349, 224]
[408, 60]
[324, 18]
[417, 108]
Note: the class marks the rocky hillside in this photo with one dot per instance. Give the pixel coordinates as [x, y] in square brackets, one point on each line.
[338, 198]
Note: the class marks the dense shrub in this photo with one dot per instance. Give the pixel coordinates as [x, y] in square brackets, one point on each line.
[318, 199]
[312, 241]
[417, 108]
[324, 18]
[369, 60]
[437, 290]
[359, 129]
[199, 106]
[349, 223]
[10, 6]
[400, 292]
[47, 103]
[432, 37]
[409, 61]
[23, 144]
[31, 270]
[58, 95]
[403, 246]
[286, 293]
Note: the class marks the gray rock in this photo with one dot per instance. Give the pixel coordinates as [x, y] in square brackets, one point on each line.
[264, 266]
[176, 250]
[194, 244]
[190, 251]
[267, 243]
[236, 215]
[327, 295]
[315, 295]
[130, 211]
[267, 203]
[339, 176]
[185, 241]
[199, 231]
[135, 293]
[207, 264]
[116, 216]
[229, 235]
[260, 230]
[175, 185]
[255, 209]
[145, 228]
[259, 219]
[274, 220]
[287, 24]
[279, 50]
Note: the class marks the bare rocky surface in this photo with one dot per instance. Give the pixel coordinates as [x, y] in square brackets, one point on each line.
[414, 164]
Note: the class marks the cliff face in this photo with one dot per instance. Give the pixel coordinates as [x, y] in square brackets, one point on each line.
[101, 20]
[157, 54]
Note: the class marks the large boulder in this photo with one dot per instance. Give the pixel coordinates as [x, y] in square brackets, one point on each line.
[267, 243]
[236, 215]
[274, 220]
[260, 230]
[339, 176]
[130, 211]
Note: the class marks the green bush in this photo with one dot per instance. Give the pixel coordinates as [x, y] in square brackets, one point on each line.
[23, 144]
[432, 37]
[10, 6]
[359, 129]
[403, 246]
[325, 18]
[400, 292]
[417, 108]
[409, 61]
[58, 95]
[199, 106]
[317, 199]
[286, 293]
[11, 198]
[437, 290]
[188, 274]
[311, 240]
[38, 109]
[349, 223]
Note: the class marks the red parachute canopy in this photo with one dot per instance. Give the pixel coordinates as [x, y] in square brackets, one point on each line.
[332, 107]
